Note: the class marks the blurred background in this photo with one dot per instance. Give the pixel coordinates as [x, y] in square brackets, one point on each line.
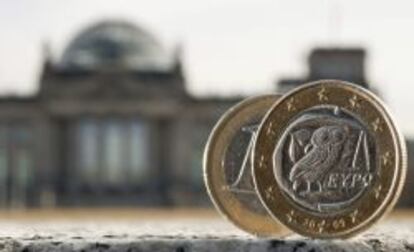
[109, 103]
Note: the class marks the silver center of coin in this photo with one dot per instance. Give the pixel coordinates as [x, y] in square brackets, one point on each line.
[325, 160]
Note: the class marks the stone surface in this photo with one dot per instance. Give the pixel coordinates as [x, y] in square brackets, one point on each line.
[183, 234]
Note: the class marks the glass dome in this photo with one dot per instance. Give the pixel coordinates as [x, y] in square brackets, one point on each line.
[115, 44]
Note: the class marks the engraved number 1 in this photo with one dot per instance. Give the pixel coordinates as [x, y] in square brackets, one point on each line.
[244, 173]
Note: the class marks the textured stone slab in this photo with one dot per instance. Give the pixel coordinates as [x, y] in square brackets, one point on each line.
[184, 235]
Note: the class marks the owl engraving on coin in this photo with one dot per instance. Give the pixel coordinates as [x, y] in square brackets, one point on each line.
[325, 159]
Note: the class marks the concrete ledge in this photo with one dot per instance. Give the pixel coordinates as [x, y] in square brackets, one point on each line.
[184, 235]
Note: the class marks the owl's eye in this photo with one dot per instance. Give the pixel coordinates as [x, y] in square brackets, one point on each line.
[324, 136]
[338, 135]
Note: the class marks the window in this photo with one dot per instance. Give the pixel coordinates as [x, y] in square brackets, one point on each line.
[114, 141]
[113, 152]
[88, 142]
[3, 165]
[22, 163]
[138, 150]
[16, 164]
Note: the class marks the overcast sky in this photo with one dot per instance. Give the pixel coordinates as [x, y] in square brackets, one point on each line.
[229, 46]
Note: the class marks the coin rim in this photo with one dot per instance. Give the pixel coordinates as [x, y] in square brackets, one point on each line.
[241, 217]
[391, 195]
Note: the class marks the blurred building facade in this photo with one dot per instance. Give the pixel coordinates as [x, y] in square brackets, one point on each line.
[331, 63]
[111, 125]
[114, 125]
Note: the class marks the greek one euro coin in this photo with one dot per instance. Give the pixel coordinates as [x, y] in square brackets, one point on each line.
[227, 167]
[328, 160]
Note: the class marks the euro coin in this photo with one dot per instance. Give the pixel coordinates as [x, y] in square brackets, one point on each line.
[328, 160]
[227, 167]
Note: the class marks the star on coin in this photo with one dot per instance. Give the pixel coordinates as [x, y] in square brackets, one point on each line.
[290, 215]
[269, 130]
[269, 192]
[386, 158]
[376, 125]
[291, 105]
[377, 191]
[354, 215]
[354, 102]
[322, 95]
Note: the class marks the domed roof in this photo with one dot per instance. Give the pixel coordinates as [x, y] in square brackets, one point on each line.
[115, 43]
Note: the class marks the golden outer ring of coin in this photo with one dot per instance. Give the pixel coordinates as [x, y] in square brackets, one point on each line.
[214, 177]
[391, 158]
